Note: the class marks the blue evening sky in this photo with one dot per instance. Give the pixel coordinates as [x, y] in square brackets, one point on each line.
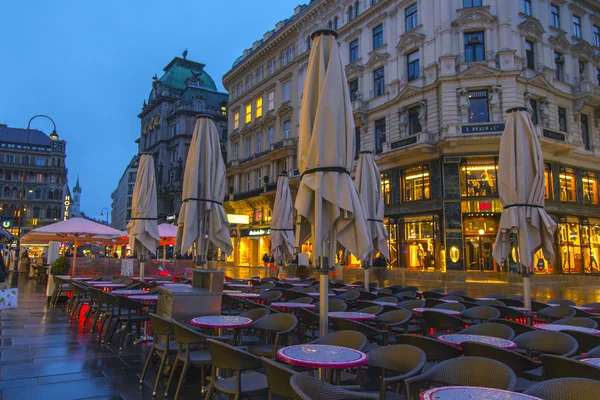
[89, 65]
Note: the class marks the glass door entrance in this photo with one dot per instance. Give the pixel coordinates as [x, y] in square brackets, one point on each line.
[478, 253]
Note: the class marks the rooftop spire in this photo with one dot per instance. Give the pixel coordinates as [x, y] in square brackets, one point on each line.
[77, 188]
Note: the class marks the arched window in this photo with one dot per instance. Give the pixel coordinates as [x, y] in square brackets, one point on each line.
[336, 23]
[56, 212]
[330, 24]
[308, 43]
[36, 212]
[15, 192]
[5, 211]
[356, 8]
[49, 213]
[6, 192]
[38, 193]
[51, 194]
[350, 13]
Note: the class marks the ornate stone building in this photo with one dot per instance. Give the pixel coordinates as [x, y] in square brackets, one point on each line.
[431, 81]
[167, 123]
[122, 196]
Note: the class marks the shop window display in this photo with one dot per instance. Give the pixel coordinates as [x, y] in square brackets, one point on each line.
[548, 181]
[568, 191]
[589, 182]
[480, 232]
[391, 227]
[590, 244]
[419, 246]
[415, 182]
[478, 177]
[570, 245]
[385, 187]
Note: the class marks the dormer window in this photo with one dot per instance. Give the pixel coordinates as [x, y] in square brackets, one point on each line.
[194, 83]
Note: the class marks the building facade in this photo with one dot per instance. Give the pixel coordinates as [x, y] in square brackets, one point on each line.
[76, 200]
[122, 196]
[430, 83]
[45, 177]
[168, 120]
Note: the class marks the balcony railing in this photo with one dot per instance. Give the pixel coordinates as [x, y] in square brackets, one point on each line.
[247, 195]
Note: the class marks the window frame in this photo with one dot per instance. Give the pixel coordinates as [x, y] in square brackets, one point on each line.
[287, 91]
[555, 16]
[596, 35]
[559, 67]
[258, 107]
[259, 142]
[565, 174]
[476, 164]
[377, 33]
[386, 187]
[473, 47]
[354, 51]
[413, 66]
[411, 17]
[353, 88]
[380, 132]
[416, 172]
[480, 95]
[530, 54]
[248, 117]
[471, 3]
[526, 7]
[586, 136]
[548, 186]
[271, 99]
[286, 132]
[414, 124]
[379, 82]
[577, 26]
[589, 175]
[236, 120]
[356, 142]
[562, 119]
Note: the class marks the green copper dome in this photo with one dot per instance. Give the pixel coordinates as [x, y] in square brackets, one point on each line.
[181, 73]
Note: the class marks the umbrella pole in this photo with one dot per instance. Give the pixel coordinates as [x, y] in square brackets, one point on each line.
[74, 256]
[366, 267]
[524, 271]
[200, 240]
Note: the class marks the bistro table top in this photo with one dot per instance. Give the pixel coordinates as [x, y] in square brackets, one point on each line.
[177, 285]
[130, 292]
[448, 301]
[341, 290]
[560, 327]
[317, 294]
[238, 285]
[322, 356]
[356, 316]
[241, 294]
[581, 308]
[137, 278]
[381, 303]
[353, 285]
[420, 310]
[291, 279]
[147, 298]
[520, 309]
[301, 284]
[456, 339]
[221, 321]
[107, 284]
[594, 361]
[166, 283]
[467, 392]
[81, 278]
[291, 304]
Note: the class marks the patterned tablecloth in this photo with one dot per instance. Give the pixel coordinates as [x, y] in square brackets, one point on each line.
[322, 356]
[456, 339]
[466, 392]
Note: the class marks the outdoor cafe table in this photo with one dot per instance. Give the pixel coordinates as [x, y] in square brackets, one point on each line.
[301, 284]
[559, 328]
[352, 315]
[238, 285]
[146, 298]
[81, 278]
[107, 285]
[290, 305]
[241, 294]
[593, 361]
[420, 310]
[322, 356]
[468, 392]
[317, 294]
[380, 303]
[455, 339]
[580, 308]
[130, 292]
[220, 322]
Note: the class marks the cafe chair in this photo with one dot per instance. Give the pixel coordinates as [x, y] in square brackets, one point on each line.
[435, 350]
[451, 306]
[466, 298]
[595, 306]
[388, 299]
[592, 353]
[367, 296]
[405, 295]
[563, 367]
[303, 300]
[384, 291]
[430, 303]
[163, 346]
[411, 303]
[273, 330]
[411, 289]
[550, 314]
[456, 293]
[489, 302]
[351, 296]
[334, 305]
[521, 365]
[308, 327]
[492, 329]
[389, 366]
[577, 321]
[96, 308]
[512, 314]
[60, 286]
[309, 388]
[512, 302]
[278, 379]
[586, 341]
[433, 294]
[546, 342]
[398, 321]
[80, 297]
[479, 314]
[565, 389]
[351, 339]
[270, 296]
[496, 296]
[131, 313]
[376, 337]
[441, 323]
[453, 297]
[562, 302]
[395, 288]
[243, 380]
[231, 305]
[464, 371]
[517, 327]
[469, 304]
[372, 309]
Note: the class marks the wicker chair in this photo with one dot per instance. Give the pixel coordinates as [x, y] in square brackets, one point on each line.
[565, 389]
[490, 329]
[595, 306]
[309, 324]
[351, 339]
[512, 314]
[592, 353]
[480, 314]
[430, 303]
[162, 328]
[366, 296]
[496, 296]
[255, 314]
[375, 336]
[586, 341]
[432, 294]
[388, 299]
[435, 350]
[522, 366]
[384, 291]
[410, 304]
[245, 381]
[334, 305]
[349, 296]
[80, 297]
[275, 329]
[562, 302]
[551, 314]
[270, 296]
[515, 326]
[131, 313]
[278, 379]
[577, 321]
[438, 290]
[467, 298]
[304, 300]
[546, 342]
[397, 321]
[390, 366]
[372, 309]
[405, 294]
[60, 286]
[512, 302]
[537, 306]
[465, 371]
[411, 289]
[309, 388]
[453, 297]
[451, 306]
[563, 367]
[489, 302]
[441, 322]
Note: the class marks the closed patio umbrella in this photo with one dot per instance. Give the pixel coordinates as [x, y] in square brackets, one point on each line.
[282, 222]
[143, 228]
[522, 192]
[329, 209]
[202, 214]
[368, 183]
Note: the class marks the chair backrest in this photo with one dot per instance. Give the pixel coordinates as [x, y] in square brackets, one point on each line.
[335, 305]
[594, 352]
[595, 306]
[512, 302]
[481, 313]
[515, 361]
[547, 342]
[438, 290]
[556, 312]
[272, 295]
[374, 309]
[276, 322]
[434, 349]
[492, 329]
[352, 339]
[431, 294]
[160, 325]
[255, 314]
[388, 299]
[60, 281]
[565, 389]
[496, 296]
[457, 293]
[309, 388]
[453, 297]
[489, 302]
[404, 294]
[430, 303]
[586, 341]
[468, 304]
[410, 304]
[185, 335]
[79, 288]
[578, 321]
[401, 358]
[367, 296]
[385, 291]
[304, 300]
[278, 378]
[562, 302]
[232, 358]
[516, 326]
[451, 306]
[441, 321]
[350, 295]
[473, 371]
[340, 324]
[563, 367]
[395, 316]
[411, 289]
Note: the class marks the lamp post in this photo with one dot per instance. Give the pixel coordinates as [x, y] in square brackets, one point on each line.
[14, 273]
[481, 233]
[102, 214]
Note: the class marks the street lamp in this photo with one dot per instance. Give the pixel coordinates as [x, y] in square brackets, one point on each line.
[102, 214]
[14, 273]
[481, 233]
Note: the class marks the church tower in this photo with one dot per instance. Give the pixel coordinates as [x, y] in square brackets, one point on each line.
[76, 200]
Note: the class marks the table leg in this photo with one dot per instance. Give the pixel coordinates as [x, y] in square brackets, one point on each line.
[144, 337]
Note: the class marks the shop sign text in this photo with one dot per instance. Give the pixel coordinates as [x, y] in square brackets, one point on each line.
[254, 232]
[404, 142]
[553, 135]
[482, 128]
[67, 207]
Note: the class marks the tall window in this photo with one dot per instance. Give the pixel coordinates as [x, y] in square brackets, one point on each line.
[259, 107]
[582, 67]
[356, 8]
[379, 135]
[284, 58]
[259, 178]
[559, 63]
[577, 26]
[356, 142]
[478, 106]
[411, 17]
[271, 66]
[414, 125]
[248, 182]
[413, 65]
[585, 132]
[336, 23]
[308, 43]
[248, 144]
[236, 120]
[474, 46]
[415, 182]
[350, 13]
[259, 142]
[286, 129]
[259, 75]
[547, 181]
[534, 111]
[271, 100]
[235, 151]
[568, 190]
[379, 81]
[287, 87]
[271, 135]
[354, 50]
[596, 36]
[529, 54]
[248, 113]
[597, 81]
[589, 181]
[290, 53]
[353, 86]
[378, 36]
[562, 119]
[471, 3]
[526, 7]
[385, 187]
[555, 16]
[248, 82]
[478, 177]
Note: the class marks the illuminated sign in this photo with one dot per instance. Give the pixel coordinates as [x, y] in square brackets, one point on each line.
[171, 217]
[238, 219]
[485, 206]
[482, 128]
[67, 207]
[6, 224]
[254, 232]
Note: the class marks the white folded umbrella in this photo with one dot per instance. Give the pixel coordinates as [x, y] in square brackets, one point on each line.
[282, 222]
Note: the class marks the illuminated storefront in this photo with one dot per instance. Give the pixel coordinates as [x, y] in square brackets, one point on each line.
[480, 226]
[414, 241]
[478, 177]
